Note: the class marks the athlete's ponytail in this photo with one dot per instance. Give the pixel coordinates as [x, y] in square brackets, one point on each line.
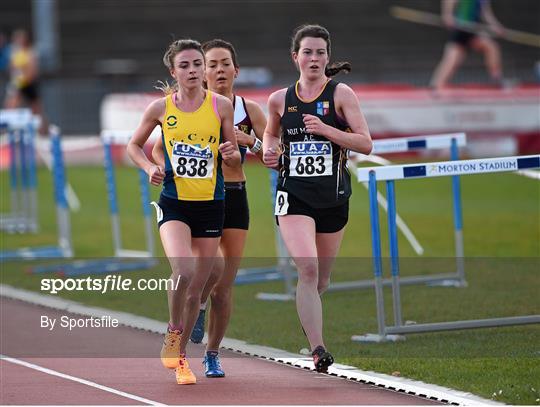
[336, 67]
[317, 31]
[166, 87]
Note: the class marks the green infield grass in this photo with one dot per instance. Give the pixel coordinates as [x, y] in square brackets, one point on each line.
[502, 246]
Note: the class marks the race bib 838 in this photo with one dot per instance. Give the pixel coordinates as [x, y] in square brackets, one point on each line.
[189, 161]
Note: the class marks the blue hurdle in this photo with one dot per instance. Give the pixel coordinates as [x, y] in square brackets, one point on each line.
[426, 170]
[444, 141]
[122, 259]
[64, 248]
[451, 142]
[20, 126]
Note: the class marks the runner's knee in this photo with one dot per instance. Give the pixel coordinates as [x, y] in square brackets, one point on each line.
[212, 280]
[221, 296]
[184, 274]
[193, 300]
[308, 273]
[322, 286]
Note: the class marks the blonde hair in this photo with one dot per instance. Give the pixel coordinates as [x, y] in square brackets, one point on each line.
[166, 87]
[174, 48]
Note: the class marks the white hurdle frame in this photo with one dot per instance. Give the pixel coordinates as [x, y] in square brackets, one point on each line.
[426, 170]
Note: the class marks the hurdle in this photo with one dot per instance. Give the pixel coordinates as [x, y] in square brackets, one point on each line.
[435, 142]
[119, 261]
[451, 142]
[20, 126]
[372, 175]
[64, 249]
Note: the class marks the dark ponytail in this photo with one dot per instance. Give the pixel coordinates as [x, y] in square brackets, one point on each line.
[336, 67]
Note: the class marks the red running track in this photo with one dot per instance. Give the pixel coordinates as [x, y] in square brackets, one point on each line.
[126, 360]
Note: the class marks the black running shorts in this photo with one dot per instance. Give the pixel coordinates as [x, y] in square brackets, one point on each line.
[205, 218]
[327, 220]
[236, 206]
[462, 38]
[30, 92]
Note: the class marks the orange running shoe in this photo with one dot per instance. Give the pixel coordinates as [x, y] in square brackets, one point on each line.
[170, 351]
[184, 375]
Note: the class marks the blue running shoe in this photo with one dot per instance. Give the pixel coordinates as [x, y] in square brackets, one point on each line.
[212, 365]
[197, 334]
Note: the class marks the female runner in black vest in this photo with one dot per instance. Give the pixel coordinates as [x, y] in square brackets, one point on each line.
[311, 125]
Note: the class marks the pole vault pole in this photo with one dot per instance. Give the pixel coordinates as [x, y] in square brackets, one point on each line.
[423, 17]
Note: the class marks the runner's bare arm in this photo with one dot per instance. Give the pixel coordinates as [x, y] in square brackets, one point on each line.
[491, 20]
[229, 148]
[447, 12]
[271, 153]
[348, 107]
[151, 118]
[157, 152]
[258, 120]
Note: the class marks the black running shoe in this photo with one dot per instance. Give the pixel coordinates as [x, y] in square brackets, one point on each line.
[322, 359]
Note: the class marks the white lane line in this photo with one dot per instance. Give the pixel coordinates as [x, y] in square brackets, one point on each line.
[79, 380]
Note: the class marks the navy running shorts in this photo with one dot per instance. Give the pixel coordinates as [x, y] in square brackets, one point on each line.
[236, 206]
[204, 218]
[327, 220]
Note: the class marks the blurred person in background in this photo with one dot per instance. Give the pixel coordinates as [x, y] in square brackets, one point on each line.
[455, 51]
[221, 71]
[311, 126]
[5, 51]
[23, 88]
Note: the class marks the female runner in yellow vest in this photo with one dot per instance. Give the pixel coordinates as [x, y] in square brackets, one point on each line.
[197, 130]
[221, 70]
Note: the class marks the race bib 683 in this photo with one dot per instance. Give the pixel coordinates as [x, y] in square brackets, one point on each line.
[310, 158]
